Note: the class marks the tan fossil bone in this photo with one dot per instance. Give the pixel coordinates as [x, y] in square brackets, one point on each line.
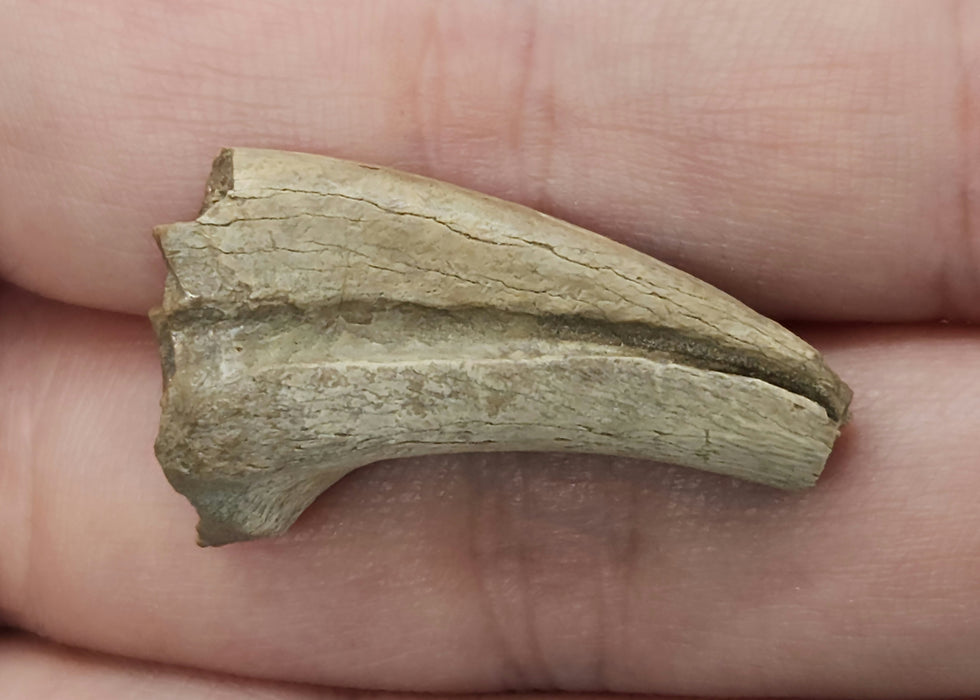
[320, 315]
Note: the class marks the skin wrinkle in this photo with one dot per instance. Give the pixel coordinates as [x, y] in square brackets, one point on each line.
[966, 239]
[427, 100]
[609, 655]
[594, 543]
[509, 660]
[30, 495]
[37, 669]
[525, 559]
[7, 446]
[541, 663]
[626, 548]
[536, 668]
[536, 113]
[593, 672]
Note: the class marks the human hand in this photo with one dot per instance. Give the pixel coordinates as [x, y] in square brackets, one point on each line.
[815, 160]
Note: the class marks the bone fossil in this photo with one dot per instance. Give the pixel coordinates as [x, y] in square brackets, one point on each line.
[320, 315]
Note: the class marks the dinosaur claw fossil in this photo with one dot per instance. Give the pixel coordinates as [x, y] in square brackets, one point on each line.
[320, 315]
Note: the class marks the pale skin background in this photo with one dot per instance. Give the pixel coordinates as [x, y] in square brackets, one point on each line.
[818, 160]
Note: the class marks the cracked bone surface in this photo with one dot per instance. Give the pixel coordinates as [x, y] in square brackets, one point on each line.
[320, 315]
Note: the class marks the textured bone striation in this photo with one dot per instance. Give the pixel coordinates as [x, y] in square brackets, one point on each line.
[320, 315]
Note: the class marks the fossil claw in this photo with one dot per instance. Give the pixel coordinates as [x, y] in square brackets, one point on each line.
[320, 315]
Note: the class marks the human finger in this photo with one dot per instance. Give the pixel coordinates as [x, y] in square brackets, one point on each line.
[500, 572]
[812, 159]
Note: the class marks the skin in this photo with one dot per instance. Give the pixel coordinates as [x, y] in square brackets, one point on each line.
[817, 160]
